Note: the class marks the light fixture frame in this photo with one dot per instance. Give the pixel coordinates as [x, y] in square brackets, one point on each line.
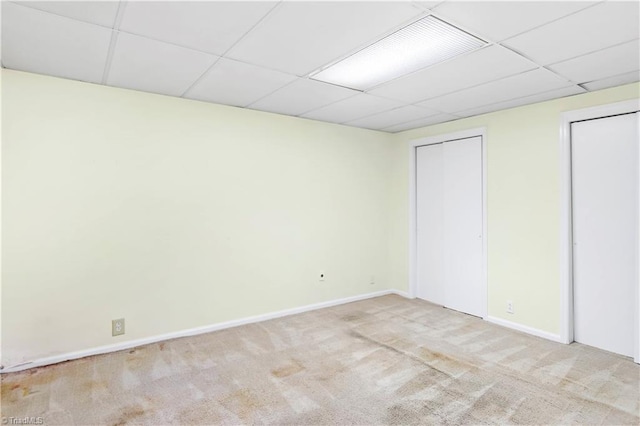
[472, 41]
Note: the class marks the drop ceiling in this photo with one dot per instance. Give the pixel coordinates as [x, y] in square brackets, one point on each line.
[260, 55]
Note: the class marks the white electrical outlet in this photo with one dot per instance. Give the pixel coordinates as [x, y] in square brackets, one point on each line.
[509, 306]
[117, 327]
[321, 276]
[372, 280]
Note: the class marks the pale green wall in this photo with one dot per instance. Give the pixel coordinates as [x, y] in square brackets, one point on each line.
[523, 203]
[175, 213]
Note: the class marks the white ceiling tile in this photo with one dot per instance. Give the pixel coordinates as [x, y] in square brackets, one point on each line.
[352, 108]
[209, 26]
[301, 96]
[423, 122]
[391, 118]
[498, 20]
[300, 37]
[517, 86]
[539, 97]
[455, 75]
[95, 12]
[235, 83]
[617, 80]
[153, 66]
[603, 25]
[601, 64]
[44, 43]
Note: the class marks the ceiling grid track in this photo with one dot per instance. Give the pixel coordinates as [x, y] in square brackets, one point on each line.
[267, 56]
[208, 70]
[114, 40]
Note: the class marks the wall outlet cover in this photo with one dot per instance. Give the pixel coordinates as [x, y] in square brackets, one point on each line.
[117, 327]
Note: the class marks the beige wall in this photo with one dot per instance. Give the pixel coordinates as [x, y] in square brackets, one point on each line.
[175, 214]
[523, 203]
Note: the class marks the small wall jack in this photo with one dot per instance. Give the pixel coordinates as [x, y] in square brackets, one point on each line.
[117, 327]
[509, 306]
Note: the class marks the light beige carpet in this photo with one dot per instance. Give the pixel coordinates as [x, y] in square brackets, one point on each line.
[387, 360]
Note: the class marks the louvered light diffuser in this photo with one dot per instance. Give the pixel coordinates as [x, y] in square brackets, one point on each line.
[418, 45]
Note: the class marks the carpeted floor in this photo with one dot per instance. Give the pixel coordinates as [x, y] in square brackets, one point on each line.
[387, 360]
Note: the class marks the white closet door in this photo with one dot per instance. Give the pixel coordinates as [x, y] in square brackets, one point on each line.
[429, 223]
[462, 249]
[605, 231]
[449, 225]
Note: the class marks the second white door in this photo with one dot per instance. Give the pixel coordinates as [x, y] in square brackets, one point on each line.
[605, 231]
[449, 225]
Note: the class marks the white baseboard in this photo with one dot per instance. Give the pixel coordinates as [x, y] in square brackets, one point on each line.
[525, 329]
[401, 293]
[191, 332]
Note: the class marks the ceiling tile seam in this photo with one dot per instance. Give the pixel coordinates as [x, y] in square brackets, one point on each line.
[24, 4]
[593, 51]
[261, 66]
[334, 102]
[417, 3]
[222, 55]
[386, 129]
[393, 109]
[455, 117]
[109, 60]
[271, 93]
[537, 65]
[201, 76]
[182, 46]
[419, 6]
[401, 106]
[254, 26]
[114, 40]
[377, 38]
[474, 86]
[117, 21]
[404, 103]
[561, 75]
[415, 119]
[605, 78]
[326, 105]
[546, 67]
[513, 99]
[523, 56]
[553, 20]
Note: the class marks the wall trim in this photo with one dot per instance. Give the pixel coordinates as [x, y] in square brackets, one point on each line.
[192, 331]
[413, 261]
[402, 293]
[566, 214]
[524, 329]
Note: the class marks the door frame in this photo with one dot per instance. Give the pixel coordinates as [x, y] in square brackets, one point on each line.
[566, 216]
[431, 140]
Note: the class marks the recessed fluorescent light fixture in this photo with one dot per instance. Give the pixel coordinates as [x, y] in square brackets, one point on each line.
[418, 45]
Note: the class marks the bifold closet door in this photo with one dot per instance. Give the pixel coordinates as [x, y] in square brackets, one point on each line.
[449, 224]
[429, 223]
[605, 231]
[462, 171]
